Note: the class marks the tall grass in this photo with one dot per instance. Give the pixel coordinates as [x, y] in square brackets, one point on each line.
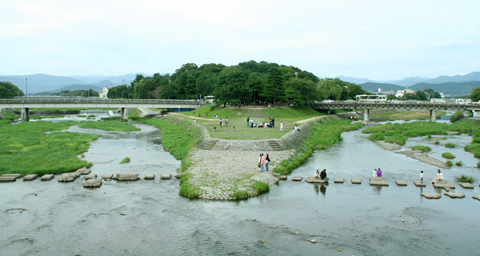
[179, 136]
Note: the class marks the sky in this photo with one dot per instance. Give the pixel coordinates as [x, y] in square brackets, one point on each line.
[375, 39]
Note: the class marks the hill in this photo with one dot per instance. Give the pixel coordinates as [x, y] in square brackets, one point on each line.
[39, 82]
[474, 76]
[453, 89]
[373, 87]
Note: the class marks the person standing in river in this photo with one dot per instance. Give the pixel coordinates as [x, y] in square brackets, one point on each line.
[267, 160]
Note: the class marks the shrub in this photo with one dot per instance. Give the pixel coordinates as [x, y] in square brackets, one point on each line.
[125, 160]
[458, 163]
[448, 155]
[437, 142]
[465, 178]
[478, 165]
[450, 145]
[449, 163]
[422, 148]
[377, 137]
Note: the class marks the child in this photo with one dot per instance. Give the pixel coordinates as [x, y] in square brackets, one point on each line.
[421, 176]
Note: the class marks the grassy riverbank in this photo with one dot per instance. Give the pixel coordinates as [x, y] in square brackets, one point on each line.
[324, 134]
[41, 147]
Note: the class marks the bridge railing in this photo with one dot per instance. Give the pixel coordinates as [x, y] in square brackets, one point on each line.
[99, 100]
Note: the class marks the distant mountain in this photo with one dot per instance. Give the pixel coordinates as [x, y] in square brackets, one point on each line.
[354, 79]
[42, 83]
[39, 82]
[115, 80]
[474, 76]
[409, 81]
[373, 87]
[453, 89]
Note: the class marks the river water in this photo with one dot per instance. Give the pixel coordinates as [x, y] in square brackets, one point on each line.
[150, 218]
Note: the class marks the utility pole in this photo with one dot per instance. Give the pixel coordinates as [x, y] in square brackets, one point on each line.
[26, 87]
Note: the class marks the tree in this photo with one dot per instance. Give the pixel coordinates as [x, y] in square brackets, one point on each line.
[300, 91]
[232, 85]
[329, 89]
[256, 83]
[9, 90]
[475, 96]
[274, 88]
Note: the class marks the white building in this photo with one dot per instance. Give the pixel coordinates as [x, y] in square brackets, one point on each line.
[401, 93]
[103, 94]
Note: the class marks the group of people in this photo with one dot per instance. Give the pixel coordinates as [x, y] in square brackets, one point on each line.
[265, 124]
[226, 122]
[377, 173]
[320, 175]
[263, 162]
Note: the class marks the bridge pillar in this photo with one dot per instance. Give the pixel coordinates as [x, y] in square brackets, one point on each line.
[25, 115]
[124, 116]
[433, 116]
[366, 114]
[471, 113]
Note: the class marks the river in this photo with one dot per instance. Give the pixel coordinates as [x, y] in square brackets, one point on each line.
[150, 218]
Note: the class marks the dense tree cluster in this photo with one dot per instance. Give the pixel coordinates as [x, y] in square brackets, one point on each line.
[246, 82]
[9, 90]
[67, 93]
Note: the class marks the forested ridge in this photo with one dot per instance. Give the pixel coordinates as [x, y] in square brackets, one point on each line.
[243, 83]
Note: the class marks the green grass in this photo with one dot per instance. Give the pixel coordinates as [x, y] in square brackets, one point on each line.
[38, 147]
[125, 160]
[238, 119]
[187, 189]
[448, 155]
[404, 115]
[456, 116]
[458, 163]
[178, 135]
[109, 126]
[398, 133]
[465, 178]
[422, 148]
[450, 145]
[449, 163]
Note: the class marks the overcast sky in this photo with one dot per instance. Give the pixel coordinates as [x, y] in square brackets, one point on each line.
[376, 39]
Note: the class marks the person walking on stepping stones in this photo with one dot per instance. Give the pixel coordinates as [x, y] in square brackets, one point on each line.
[421, 176]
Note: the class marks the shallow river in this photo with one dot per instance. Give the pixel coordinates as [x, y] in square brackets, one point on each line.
[150, 218]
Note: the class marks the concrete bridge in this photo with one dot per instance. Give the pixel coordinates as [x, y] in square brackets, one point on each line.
[403, 105]
[27, 103]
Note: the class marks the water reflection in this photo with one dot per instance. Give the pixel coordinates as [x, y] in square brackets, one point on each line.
[320, 188]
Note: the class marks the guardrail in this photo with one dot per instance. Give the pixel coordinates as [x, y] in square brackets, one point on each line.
[98, 100]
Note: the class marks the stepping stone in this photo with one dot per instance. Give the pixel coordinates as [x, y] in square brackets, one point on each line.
[401, 182]
[75, 174]
[90, 176]
[30, 177]
[356, 181]
[378, 181]
[149, 176]
[83, 171]
[476, 197]
[419, 184]
[283, 177]
[107, 176]
[127, 176]
[4, 178]
[297, 178]
[66, 177]
[16, 175]
[338, 180]
[178, 176]
[443, 184]
[467, 185]
[165, 176]
[47, 177]
[92, 183]
[431, 195]
[454, 194]
[312, 179]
